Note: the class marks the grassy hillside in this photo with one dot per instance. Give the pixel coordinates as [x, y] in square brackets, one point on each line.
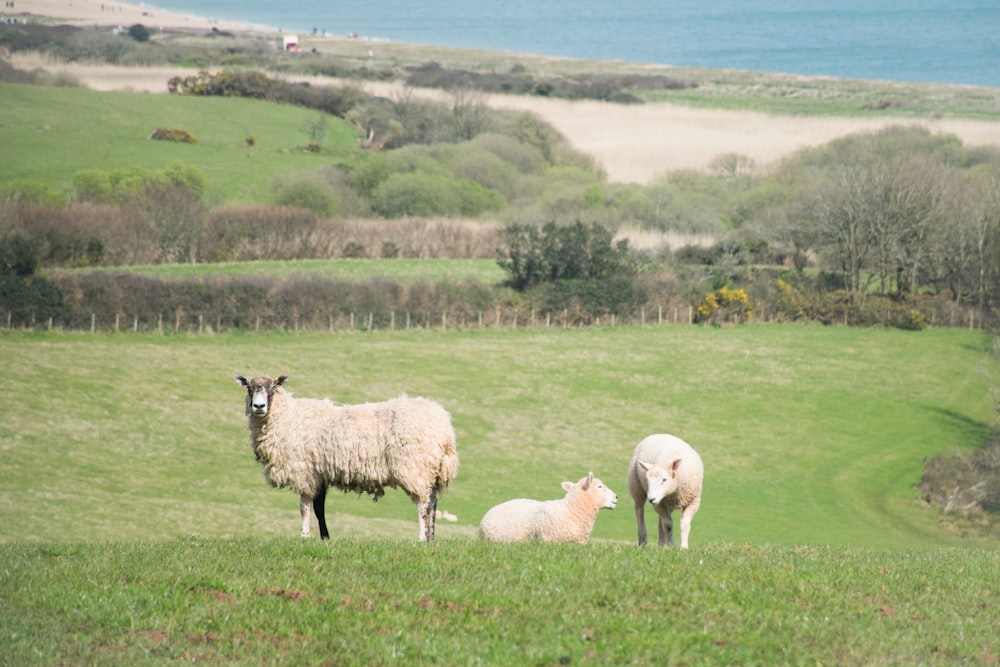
[49, 133]
[810, 435]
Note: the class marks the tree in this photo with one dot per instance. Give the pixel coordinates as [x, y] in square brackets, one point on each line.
[555, 253]
[139, 33]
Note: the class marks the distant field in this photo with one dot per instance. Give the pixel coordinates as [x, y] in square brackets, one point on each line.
[810, 435]
[49, 133]
[404, 270]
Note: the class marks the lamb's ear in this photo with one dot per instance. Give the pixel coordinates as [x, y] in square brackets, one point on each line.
[675, 465]
[280, 381]
[590, 480]
[645, 466]
[567, 486]
[240, 380]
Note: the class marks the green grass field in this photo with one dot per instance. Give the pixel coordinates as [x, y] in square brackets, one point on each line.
[361, 269]
[386, 602]
[136, 528]
[810, 435]
[48, 134]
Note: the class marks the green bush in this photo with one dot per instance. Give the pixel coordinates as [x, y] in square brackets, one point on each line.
[30, 192]
[433, 193]
[24, 297]
[93, 185]
[308, 194]
[534, 255]
[416, 194]
[176, 135]
[139, 33]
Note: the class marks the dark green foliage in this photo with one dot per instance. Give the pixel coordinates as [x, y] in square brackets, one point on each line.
[25, 298]
[176, 135]
[518, 82]
[18, 256]
[139, 32]
[575, 268]
[254, 84]
[533, 255]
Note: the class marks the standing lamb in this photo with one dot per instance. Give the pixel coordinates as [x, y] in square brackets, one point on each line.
[569, 519]
[668, 473]
[308, 444]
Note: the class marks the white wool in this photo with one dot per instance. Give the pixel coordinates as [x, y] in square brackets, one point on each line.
[568, 519]
[666, 472]
[310, 444]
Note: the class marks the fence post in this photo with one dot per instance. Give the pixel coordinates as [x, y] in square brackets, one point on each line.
[135, 324]
[93, 323]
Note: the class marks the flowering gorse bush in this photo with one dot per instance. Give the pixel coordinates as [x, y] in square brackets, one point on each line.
[723, 304]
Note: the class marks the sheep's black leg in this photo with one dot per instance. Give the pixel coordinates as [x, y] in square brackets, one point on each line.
[319, 509]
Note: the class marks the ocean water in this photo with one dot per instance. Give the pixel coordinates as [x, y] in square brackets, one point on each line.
[935, 41]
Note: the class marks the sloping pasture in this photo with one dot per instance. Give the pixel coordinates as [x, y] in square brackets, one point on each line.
[48, 134]
[810, 435]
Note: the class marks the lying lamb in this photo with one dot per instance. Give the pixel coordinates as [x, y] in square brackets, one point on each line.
[569, 519]
[308, 444]
[668, 473]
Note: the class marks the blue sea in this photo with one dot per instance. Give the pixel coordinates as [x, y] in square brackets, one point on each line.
[935, 41]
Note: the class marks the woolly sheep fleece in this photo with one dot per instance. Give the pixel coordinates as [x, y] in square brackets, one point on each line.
[568, 519]
[308, 444]
[666, 472]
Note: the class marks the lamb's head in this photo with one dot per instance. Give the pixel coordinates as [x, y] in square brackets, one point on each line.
[661, 480]
[260, 391]
[601, 496]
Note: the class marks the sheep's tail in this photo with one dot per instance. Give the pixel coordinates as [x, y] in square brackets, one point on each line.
[448, 469]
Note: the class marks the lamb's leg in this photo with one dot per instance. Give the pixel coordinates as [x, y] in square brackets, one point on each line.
[686, 516]
[640, 521]
[667, 530]
[319, 508]
[304, 503]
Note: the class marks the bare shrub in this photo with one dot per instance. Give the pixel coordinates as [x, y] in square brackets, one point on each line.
[244, 233]
[965, 485]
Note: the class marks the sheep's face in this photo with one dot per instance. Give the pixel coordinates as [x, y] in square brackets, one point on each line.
[606, 498]
[260, 391]
[661, 480]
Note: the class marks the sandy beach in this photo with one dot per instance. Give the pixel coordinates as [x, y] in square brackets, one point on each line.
[89, 13]
[635, 143]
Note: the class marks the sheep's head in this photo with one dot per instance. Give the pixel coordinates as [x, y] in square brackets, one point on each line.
[595, 488]
[260, 391]
[661, 480]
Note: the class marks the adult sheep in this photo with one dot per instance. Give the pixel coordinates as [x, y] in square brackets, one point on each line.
[568, 519]
[308, 445]
[668, 473]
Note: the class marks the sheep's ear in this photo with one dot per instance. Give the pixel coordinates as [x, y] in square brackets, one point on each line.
[645, 466]
[280, 381]
[240, 380]
[675, 465]
[567, 486]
